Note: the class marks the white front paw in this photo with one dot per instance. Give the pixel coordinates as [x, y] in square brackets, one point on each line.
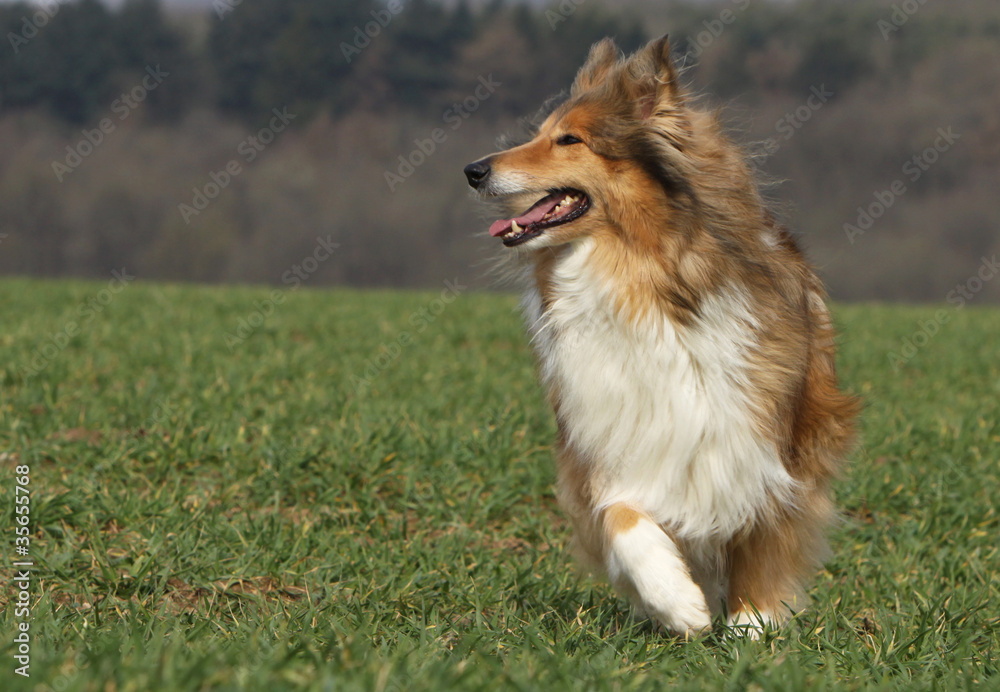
[677, 605]
[645, 563]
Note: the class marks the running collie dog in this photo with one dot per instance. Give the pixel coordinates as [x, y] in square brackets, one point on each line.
[684, 343]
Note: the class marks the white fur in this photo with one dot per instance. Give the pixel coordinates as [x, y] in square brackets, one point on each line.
[646, 564]
[752, 624]
[509, 183]
[660, 410]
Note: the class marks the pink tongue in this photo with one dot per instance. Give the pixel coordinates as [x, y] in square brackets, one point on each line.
[536, 213]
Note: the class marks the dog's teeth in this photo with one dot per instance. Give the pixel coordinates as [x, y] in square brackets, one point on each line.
[514, 227]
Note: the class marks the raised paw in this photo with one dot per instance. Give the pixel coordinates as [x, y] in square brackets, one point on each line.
[677, 605]
[644, 563]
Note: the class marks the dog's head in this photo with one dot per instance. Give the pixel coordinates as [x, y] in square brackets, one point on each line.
[613, 148]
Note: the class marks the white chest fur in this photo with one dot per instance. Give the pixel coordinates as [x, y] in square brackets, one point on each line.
[662, 411]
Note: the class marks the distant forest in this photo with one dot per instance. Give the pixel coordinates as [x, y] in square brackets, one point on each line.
[229, 145]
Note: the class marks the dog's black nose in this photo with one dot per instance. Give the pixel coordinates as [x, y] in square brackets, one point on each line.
[477, 172]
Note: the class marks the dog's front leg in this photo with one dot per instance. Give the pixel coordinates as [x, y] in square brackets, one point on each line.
[645, 564]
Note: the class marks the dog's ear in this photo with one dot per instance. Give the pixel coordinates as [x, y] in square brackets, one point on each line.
[603, 55]
[658, 84]
[666, 75]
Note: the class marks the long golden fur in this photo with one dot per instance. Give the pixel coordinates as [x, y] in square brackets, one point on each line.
[670, 251]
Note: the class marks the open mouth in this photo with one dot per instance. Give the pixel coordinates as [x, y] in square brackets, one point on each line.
[555, 209]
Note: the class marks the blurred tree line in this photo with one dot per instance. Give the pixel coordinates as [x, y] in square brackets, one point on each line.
[310, 55]
[73, 58]
[368, 79]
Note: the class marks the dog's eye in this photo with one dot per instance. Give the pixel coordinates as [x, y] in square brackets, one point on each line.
[568, 139]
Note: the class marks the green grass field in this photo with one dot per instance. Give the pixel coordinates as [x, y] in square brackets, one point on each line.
[356, 494]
